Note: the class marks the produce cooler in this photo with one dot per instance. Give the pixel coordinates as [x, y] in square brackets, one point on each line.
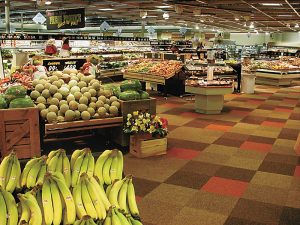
[276, 77]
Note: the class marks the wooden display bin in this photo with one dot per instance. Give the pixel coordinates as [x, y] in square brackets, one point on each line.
[143, 146]
[19, 131]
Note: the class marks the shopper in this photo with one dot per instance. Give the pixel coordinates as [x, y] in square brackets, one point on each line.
[50, 47]
[198, 49]
[174, 48]
[65, 48]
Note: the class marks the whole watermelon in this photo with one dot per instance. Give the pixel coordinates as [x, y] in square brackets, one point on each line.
[21, 103]
[131, 85]
[144, 95]
[14, 92]
[3, 103]
[129, 95]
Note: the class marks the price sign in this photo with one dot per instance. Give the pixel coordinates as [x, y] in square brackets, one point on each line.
[61, 64]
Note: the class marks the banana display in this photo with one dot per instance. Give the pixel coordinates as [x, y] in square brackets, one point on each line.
[10, 172]
[55, 190]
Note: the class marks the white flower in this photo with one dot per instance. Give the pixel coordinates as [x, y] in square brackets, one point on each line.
[147, 115]
[129, 116]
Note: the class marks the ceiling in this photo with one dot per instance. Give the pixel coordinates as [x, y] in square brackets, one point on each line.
[231, 15]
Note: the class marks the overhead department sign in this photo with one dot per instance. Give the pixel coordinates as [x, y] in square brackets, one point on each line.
[66, 19]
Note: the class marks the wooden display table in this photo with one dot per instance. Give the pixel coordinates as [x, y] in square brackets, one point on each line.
[144, 77]
[276, 78]
[209, 100]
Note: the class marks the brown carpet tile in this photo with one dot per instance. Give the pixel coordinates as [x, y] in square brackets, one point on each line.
[236, 168]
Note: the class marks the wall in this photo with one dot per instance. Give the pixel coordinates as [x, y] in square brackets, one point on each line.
[254, 39]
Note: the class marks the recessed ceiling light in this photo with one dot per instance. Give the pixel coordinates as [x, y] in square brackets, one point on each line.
[297, 25]
[271, 4]
[202, 21]
[163, 6]
[197, 27]
[106, 9]
[48, 2]
[251, 25]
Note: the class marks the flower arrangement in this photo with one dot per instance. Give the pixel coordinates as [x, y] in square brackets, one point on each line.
[143, 122]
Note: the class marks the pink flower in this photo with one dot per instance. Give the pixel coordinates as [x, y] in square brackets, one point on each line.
[164, 122]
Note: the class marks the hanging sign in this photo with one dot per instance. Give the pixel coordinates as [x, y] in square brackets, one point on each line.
[119, 31]
[151, 30]
[66, 19]
[104, 26]
[182, 30]
[39, 18]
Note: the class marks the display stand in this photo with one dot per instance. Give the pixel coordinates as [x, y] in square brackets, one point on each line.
[248, 83]
[276, 78]
[209, 100]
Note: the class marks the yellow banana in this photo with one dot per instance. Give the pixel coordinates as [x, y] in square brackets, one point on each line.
[56, 203]
[35, 211]
[76, 169]
[80, 210]
[84, 166]
[8, 172]
[98, 172]
[67, 197]
[74, 157]
[91, 165]
[67, 170]
[107, 220]
[122, 218]
[120, 165]
[25, 213]
[12, 210]
[59, 164]
[41, 174]
[122, 197]
[47, 202]
[3, 210]
[101, 192]
[108, 188]
[26, 170]
[3, 170]
[19, 172]
[40, 203]
[131, 199]
[98, 204]
[53, 162]
[115, 219]
[87, 201]
[114, 168]
[33, 173]
[106, 171]
[51, 155]
[14, 175]
[114, 192]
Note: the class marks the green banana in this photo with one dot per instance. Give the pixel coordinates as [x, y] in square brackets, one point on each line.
[106, 171]
[120, 165]
[31, 163]
[33, 173]
[115, 219]
[131, 199]
[98, 204]
[47, 202]
[91, 165]
[74, 157]
[3, 210]
[76, 169]
[98, 172]
[25, 212]
[87, 201]
[101, 192]
[51, 155]
[122, 197]
[114, 192]
[12, 210]
[80, 210]
[56, 203]
[134, 221]
[107, 220]
[67, 170]
[14, 175]
[121, 217]
[67, 197]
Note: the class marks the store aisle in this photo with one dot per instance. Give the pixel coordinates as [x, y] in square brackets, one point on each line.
[238, 168]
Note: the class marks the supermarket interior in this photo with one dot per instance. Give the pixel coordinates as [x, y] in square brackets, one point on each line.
[157, 112]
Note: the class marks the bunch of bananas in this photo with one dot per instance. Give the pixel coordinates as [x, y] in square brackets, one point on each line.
[58, 161]
[86, 220]
[10, 172]
[116, 217]
[56, 200]
[122, 195]
[8, 208]
[30, 210]
[82, 161]
[33, 173]
[109, 166]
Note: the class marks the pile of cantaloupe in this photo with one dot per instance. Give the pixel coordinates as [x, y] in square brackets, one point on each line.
[70, 95]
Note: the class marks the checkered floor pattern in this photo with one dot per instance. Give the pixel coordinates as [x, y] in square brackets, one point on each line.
[236, 168]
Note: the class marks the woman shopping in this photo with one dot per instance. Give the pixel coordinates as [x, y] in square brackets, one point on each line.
[65, 48]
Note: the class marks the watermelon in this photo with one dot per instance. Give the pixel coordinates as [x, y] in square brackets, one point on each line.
[129, 95]
[144, 95]
[3, 103]
[13, 92]
[21, 103]
[114, 88]
[131, 85]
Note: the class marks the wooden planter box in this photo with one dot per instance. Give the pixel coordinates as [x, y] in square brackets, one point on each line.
[19, 131]
[143, 145]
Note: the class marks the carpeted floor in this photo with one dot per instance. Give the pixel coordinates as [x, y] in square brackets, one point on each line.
[237, 168]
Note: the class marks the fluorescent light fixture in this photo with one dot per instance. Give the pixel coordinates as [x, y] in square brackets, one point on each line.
[296, 25]
[271, 4]
[202, 21]
[236, 19]
[166, 16]
[245, 24]
[213, 29]
[251, 25]
[267, 33]
[197, 27]
[48, 2]
[106, 9]
[143, 14]
[151, 16]
[285, 15]
[163, 6]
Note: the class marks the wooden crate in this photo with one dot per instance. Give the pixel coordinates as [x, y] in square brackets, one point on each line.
[127, 107]
[19, 131]
[143, 146]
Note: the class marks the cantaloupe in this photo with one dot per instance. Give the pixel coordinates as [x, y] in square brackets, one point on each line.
[62, 102]
[41, 106]
[39, 87]
[106, 106]
[92, 105]
[58, 96]
[85, 115]
[84, 89]
[81, 84]
[93, 92]
[34, 95]
[53, 78]
[54, 101]
[73, 105]
[102, 98]
[43, 77]
[116, 103]
[75, 78]
[44, 113]
[53, 89]
[53, 108]
[84, 100]
[91, 111]
[57, 84]
[77, 95]
[77, 115]
[35, 82]
[101, 111]
[99, 103]
[82, 107]
[96, 116]
[60, 119]
[107, 93]
[87, 95]
[43, 82]
[47, 85]
[63, 108]
[46, 93]
[57, 73]
[113, 98]
[70, 98]
[59, 113]
[41, 99]
[93, 99]
[69, 115]
[113, 110]
[51, 117]
[73, 83]
[64, 91]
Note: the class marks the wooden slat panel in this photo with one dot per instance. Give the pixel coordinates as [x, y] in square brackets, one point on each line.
[15, 136]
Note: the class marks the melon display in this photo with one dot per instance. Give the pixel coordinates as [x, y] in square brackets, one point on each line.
[67, 96]
[144, 95]
[14, 92]
[129, 85]
[129, 95]
[3, 103]
[21, 103]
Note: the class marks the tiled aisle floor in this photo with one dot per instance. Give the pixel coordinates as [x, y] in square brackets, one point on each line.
[237, 168]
